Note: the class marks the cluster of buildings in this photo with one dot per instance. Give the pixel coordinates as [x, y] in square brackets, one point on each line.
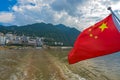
[12, 39]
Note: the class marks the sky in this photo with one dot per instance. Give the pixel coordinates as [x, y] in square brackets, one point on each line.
[74, 13]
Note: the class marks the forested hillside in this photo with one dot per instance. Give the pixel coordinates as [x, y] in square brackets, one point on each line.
[52, 33]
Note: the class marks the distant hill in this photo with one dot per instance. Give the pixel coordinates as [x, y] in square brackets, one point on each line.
[52, 33]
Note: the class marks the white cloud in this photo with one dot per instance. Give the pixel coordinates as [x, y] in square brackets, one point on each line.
[6, 17]
[78, 13]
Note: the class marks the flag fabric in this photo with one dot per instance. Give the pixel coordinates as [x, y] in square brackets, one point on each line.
[100, 39]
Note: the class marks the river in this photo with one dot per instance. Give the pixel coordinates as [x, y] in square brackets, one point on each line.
[41, 64]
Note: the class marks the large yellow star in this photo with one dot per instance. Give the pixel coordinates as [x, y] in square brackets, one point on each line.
[103, 27]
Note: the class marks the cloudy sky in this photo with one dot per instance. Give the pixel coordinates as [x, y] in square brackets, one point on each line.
[75, 13]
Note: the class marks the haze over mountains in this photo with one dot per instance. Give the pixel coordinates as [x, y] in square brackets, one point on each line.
[52, 33]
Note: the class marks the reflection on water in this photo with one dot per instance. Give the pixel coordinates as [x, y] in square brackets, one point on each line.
[100, 68]
[109, 65]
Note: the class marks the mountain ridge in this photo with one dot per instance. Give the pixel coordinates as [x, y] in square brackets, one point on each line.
[56, 33]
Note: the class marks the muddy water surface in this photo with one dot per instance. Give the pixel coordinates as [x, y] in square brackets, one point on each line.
[33, 64]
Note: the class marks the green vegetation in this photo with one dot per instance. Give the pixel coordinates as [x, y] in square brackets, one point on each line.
[51, 33]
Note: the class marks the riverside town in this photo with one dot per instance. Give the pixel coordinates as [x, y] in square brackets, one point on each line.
[10, 39]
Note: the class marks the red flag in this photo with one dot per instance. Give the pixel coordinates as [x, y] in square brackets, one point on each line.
[100, 39]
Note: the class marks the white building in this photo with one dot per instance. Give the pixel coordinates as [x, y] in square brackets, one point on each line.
[2, 40]
[39, 42]
[24, 39]
[9, 38]
[32, 41]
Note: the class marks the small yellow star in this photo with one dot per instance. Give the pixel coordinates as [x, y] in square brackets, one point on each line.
[103, 27]
[96, 37]
[90, 30]
[91, 35]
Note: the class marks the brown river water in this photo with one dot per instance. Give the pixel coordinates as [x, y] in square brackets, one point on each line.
[41, 64]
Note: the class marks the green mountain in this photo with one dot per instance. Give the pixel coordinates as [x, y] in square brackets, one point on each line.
[52, 33]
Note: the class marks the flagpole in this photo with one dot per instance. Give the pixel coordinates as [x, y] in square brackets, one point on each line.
[109, 8]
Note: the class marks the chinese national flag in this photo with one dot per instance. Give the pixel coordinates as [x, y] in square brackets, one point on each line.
[100, 39]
